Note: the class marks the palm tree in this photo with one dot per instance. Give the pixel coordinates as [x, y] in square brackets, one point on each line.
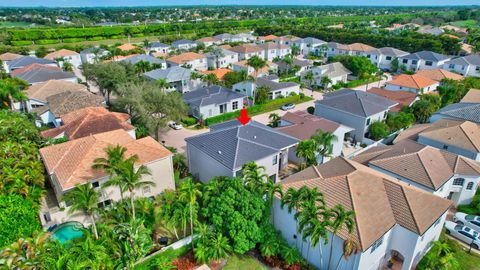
[307, 150]
[274, 119]
[324, 142]
[288, 60]
[270, 190]
[217, 53]
[84, 198]
[189, 192]
[214, 248]
[325, 81]
[11, 91]
[210, 79]
[261, 94]
[67, 66]
[309, 78]
[349, 247]
[291, 199]
[136, 241]
[341, 217]
[254, 177]
[143, 66]
[256, 63]
[131, 179]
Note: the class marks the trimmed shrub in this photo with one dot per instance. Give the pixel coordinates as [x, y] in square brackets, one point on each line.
[311, 110]
[189, 121]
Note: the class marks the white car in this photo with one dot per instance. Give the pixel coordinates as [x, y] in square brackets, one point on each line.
[471, 221]
[288, 106]
[175, 125]
[463, 233]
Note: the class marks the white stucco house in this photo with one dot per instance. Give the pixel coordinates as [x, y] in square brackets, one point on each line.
[390, 221]
[276, 88]
[221, 58]
[383, 57]
[213, 100]
[247, 51]
[92, 55]
[184, 44]
[468, 66]
[412, 83]
[229, 145]
[307, 45]
[436, 171]
[336, 72]
[274, 50]
[355, 109]
[159, 47]
[178, 77]
[66, 56]
[423, 60]
[333, 48]
[191, 60]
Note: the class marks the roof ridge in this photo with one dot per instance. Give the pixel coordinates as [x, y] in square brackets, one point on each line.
[353, 209]
[409, 208]
[425, 168]
[236, 149]
[466, 135]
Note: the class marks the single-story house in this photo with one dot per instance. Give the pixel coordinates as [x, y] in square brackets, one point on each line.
[412, 83]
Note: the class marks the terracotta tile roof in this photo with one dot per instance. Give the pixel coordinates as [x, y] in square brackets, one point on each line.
[41, 91]
[463, 134]
[71, 162]
[439, 74]
[403, 98]
[273, 46]
[208, 39]
[60, 53]
[121, 57]
[265, 69]
[9, 56]
[451, 36]
[246, 48]
[268, 38]
[379, 201]
[411, 133]
[89, 121]
[357, 47]
[412, 81]
[472, 96]
[305, 125]
[185, 57]
[19, 71]
[127, 47]
[422, 164]
[219, 72]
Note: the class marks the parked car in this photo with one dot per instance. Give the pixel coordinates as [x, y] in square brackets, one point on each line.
[471, 221]
[288, 106]
[463, 233]
[175, 125]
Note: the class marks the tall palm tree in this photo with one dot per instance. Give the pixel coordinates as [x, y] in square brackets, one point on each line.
[190, 192]
[341, 218]
[84, 198]
[324, 142]
[11, 91]
[349, 247]
[143, 66]
[325, 81]
[131, 179]
[254, 177]
[288, 60]
[307, 150]
[270, 190]
[309, 78]
[291, 199]
[274, 119]
[256, 63]
[210, 79]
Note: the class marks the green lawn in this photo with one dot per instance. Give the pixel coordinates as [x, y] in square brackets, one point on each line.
[167, 255]
[467, 23]
[14, 24]
[243, 262]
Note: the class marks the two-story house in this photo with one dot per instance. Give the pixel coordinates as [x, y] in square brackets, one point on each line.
[184, 44]
[178, 77]
[274, 50]
[247, 51]
[92, 55]
[221, 58]
[423, 60]
[191, 60]
[64, 55]
[336, 72]
[276, 88]
[468, 66]
[383, 57]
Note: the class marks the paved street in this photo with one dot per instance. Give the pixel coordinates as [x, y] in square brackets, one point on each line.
[374, 84]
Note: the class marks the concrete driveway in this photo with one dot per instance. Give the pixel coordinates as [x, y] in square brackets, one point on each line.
[176, 138]
[374, 84]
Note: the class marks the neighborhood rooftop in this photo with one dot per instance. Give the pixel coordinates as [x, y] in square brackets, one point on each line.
[213, 94]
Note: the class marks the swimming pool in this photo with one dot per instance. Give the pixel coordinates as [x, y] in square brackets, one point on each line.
[68, 231]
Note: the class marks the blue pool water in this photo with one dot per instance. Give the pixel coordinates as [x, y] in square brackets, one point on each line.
[68, 231]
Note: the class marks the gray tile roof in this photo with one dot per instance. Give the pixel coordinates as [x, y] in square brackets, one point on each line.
[211, 95]
[426, 55]
[389, 51]
[273, 85]
[183, 41]
[332, 70]
[158, 44]
[223, 36]
[234, 144]
[334, 44]
[28, 60]
[464, 111]
[43, 74]
[312, 40]
[356, 102]
[92, 49]
[172, 74]
[143, 57]
[466, 60]
[296, 62]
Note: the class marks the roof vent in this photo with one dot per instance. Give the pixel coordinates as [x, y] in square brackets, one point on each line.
[254, 136]
[219, 152]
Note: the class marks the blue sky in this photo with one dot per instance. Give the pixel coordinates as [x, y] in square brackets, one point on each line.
[83, 3]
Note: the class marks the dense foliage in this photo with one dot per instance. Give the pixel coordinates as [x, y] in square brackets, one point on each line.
[18, 218]
[360, 66]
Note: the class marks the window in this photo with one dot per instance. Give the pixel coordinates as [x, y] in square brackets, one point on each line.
[470, 186]
[376, 245]
[458, 181]
[368, 55]
[477, 68]
[388, 58]
[414, 62]
[368, 121]
[274, 160]
[235, 105]
[451, 66]
[95, 184]
[445, 147]
[405, 61]
[146, 190]
[466, 234]
[428, 63]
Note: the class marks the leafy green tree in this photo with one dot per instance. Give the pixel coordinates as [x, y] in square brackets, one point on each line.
[261, 94]
[189, 192]
[439, 257]
[136, 241]
[210, 79]
[41, 52]
[11, 91]
[143, 66]
[395, 64]
[67, 66]
[84, 198]
[310, 79]
[235, 212]
[340, 218]
[422, 110]
[256, 63]
[234, 77]
[295, 50]
[378, 130]
[274, 120]
[359, 65]
[400, 120]
[325, 81]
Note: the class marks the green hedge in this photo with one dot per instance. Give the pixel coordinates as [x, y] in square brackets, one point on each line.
[258, 109]
[72, 40]
[46, 41]
[21, 43]
[18, 218]
[189, 121]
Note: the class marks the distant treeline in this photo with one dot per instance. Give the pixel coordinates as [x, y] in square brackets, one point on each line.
[408, 41]
[43, 36]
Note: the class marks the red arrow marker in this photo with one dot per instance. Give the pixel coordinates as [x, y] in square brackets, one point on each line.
[244, 119]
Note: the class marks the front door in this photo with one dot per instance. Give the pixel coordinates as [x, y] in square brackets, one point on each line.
[223, 108]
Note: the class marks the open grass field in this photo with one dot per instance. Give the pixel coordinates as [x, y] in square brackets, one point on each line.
[467, 24]
[14, 24]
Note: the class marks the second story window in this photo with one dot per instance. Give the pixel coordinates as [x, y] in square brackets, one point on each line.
[95, 184]
[274, 160]
[428, 63]
[458, 181]
[470, 186]
[235, 105]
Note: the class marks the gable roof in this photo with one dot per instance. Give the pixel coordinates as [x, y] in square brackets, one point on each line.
[273, 85]
[41, 91]
[357, 47]
[233, 144]
[44, 74]
[9, 56]
[472, 59]
[356, 102]
[403, 98]
[143, 57]
[304, 125]
[89, 121]
[472, 96]
[389, 51]
[211, 95]
[219, 72]
[246, 48]
[414, 81]
[28, 60]
[60, 53]
[33, 66]
[185, 57]
[65, 102]
[268, 38]
[127, 47]
[464, 110]
[426, 55]
[379, 201]
[158, 44]
[333, 70]
[439, 74]
[422, 164]
[171, 74]
[208, 39]
[183, 41]
[272, 46]
[71, 162]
